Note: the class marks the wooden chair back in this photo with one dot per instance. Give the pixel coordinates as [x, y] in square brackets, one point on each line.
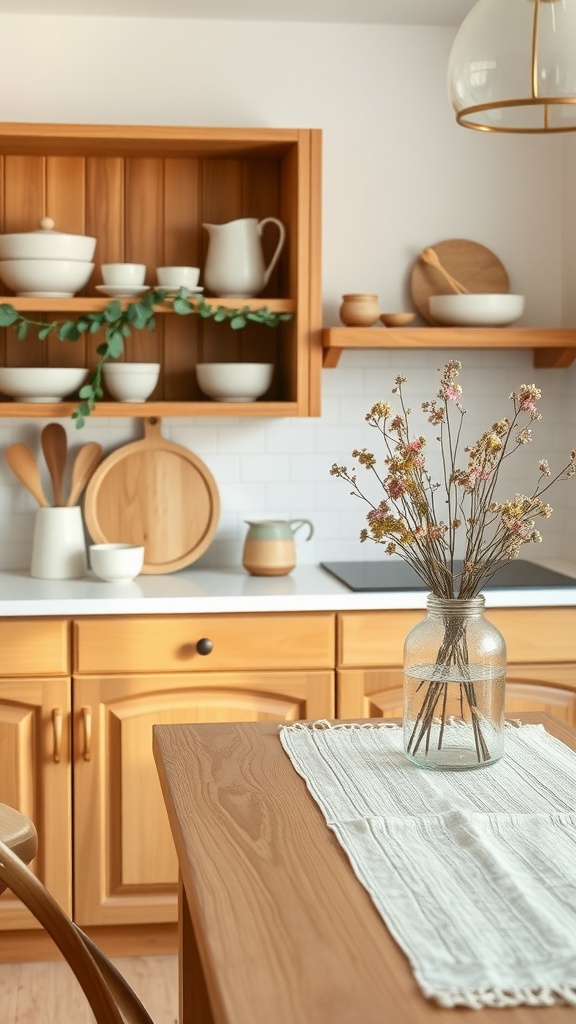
[110, 997]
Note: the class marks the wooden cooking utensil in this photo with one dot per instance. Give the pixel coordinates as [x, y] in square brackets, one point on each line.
[156, 493]
[86, 461]
[23, 465]
[55, 448]
[430, 257]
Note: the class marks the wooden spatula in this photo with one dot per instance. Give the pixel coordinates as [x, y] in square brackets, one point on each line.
[23, 464]
[55, 447]
[86, 461]
[430, 257]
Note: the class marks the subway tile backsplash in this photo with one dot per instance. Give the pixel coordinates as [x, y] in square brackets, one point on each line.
[280, 468]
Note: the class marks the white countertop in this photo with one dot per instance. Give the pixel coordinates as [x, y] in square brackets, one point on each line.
[211, 591]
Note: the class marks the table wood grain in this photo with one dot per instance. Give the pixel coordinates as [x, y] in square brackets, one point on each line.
[275, 927]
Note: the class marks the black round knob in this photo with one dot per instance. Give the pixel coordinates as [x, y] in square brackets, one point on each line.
[204, 646]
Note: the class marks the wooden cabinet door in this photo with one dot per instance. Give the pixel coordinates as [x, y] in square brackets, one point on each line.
[546, 687]
[374, 693]
[369, 693]
[125, 864]
[35, 778]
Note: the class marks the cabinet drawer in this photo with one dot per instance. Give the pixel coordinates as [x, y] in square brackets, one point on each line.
[537, 634]
[169, 643]
[373, 639]
[376, 639]
[32, 647]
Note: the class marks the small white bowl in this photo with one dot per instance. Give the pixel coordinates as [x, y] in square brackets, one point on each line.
[234, 382]
[131, 382]
[40, 383]
[116, 563]
[59, 279]
[476, 310]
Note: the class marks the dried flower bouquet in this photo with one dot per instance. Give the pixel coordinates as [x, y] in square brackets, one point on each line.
[422, 519]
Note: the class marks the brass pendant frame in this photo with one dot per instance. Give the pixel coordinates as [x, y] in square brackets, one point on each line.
[534, 100]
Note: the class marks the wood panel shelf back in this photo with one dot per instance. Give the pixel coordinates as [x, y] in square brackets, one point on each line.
[145, 193]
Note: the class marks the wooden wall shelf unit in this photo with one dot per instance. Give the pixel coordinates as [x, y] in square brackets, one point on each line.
[553, 347]
[144, 193]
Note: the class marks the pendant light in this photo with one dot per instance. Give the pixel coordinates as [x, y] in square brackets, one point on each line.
[512, 66]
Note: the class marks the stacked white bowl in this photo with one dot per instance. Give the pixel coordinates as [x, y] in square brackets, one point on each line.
[46, 263]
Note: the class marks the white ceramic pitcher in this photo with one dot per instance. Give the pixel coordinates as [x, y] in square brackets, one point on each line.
[234, 262]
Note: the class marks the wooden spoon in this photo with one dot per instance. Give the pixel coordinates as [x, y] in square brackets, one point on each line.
[88, 457]
[430, 257]
[55, 447]
[23, 465]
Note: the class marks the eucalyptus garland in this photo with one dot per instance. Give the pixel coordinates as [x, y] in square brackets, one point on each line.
[118, 321]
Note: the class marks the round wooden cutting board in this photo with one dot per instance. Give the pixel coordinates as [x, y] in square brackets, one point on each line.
[472, 264]
[155, 493]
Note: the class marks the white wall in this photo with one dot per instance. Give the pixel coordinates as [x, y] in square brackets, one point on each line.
[398, 175]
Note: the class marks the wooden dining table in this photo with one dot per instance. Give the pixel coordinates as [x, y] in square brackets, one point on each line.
[274, 926]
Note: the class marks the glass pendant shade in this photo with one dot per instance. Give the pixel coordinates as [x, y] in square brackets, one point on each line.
[512, 66]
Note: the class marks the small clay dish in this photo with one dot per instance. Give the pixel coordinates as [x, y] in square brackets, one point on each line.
[397, 319]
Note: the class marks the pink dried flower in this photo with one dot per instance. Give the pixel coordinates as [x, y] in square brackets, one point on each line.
[395, 488]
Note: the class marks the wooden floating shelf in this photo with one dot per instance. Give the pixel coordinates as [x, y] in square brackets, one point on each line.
[41, 410]
[87, 304]
[553, 347]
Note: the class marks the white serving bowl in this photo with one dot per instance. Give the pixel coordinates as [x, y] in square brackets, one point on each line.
[40, 383]
[234, 382]
[131, 382]
[46, 278]
[116, 563]
[476, 310]
[46, 244]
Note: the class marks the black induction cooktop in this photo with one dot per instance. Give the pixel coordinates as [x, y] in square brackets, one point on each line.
[394, 574]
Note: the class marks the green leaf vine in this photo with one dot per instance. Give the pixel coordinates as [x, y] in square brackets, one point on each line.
[118, 320]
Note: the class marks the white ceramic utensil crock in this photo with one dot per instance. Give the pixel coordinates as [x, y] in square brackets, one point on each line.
[59, 545]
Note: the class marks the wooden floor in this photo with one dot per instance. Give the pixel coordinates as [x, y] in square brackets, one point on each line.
[48, 993]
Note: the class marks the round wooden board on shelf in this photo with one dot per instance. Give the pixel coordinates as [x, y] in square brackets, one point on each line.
[155, 493]
[472, 264]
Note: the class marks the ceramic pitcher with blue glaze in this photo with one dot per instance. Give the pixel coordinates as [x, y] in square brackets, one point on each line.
[269, 548]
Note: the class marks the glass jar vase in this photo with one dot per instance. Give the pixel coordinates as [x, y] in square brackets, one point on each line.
[454, 683]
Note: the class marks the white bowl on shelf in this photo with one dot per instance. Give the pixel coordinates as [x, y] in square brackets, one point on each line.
[40, 383]
[45, 278]
[116, 563]
[234, 382]
[476, 310]
[131, 382]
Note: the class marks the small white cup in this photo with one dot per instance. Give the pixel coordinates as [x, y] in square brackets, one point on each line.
[178, 277]
[123, 273]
